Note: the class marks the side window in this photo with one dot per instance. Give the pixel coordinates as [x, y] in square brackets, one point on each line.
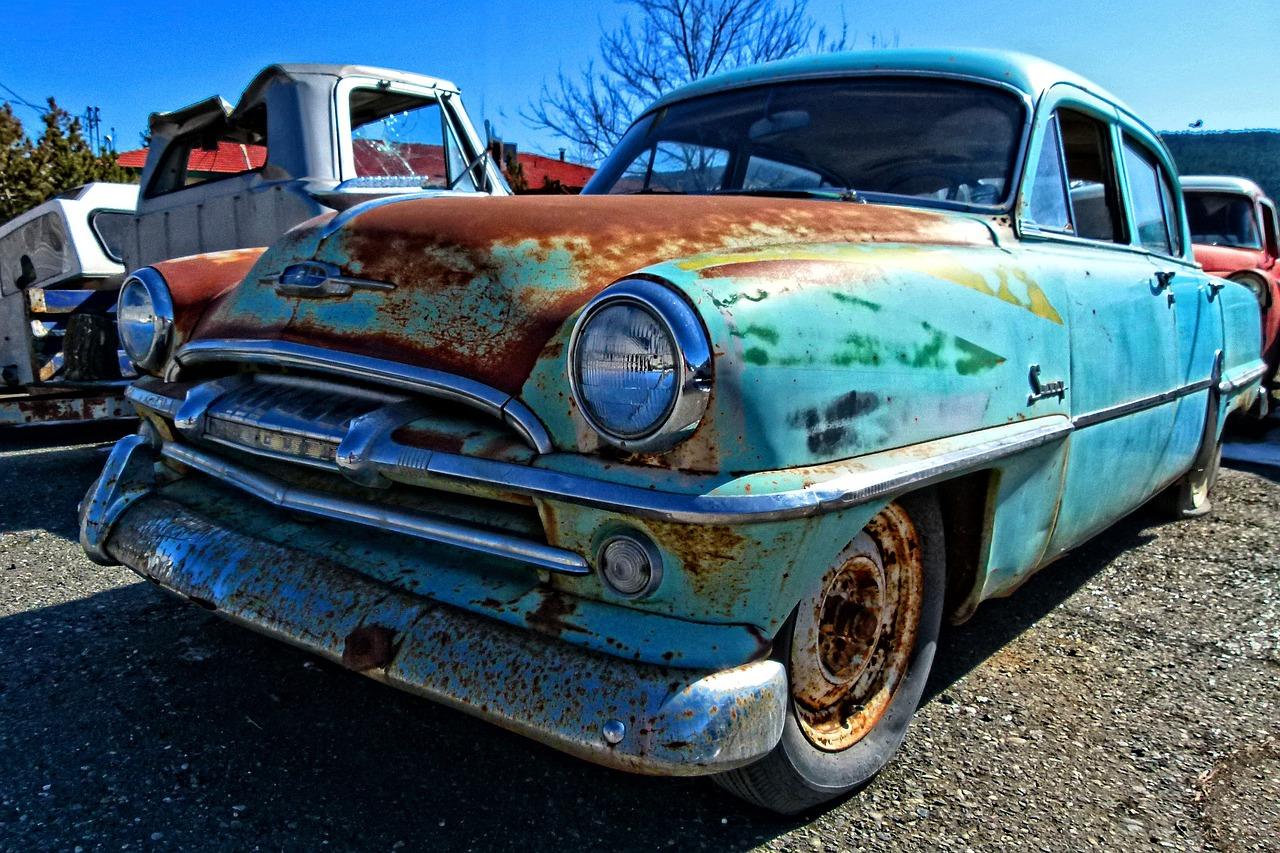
[395, 135]
[218, 151]
[1091, 177]
[1271, 229]
[1048, 207]
[1147, 199]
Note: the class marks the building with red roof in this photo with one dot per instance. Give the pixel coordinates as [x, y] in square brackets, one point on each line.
[537, 174]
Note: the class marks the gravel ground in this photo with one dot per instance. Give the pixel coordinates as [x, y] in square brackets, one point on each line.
[1125, 698]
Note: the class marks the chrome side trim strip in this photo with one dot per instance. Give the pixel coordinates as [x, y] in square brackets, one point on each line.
[1248, 377]
[1109, 413]
[422, 380]
[882, 474]
[418, 525]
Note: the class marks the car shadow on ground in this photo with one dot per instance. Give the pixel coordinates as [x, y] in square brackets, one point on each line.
[128, 713]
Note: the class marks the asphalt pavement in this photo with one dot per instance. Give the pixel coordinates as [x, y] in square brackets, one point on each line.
[1127, 697]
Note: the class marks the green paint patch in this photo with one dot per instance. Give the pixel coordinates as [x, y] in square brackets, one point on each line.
[764, 333]
[756, 355]
[859, 349]
[927, 354]
[974, 359]
[855, 300]
[732, 298]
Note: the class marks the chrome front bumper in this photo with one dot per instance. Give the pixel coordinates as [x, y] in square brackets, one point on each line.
[631, 716]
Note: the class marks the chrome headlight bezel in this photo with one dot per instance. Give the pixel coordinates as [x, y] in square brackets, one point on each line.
[693, 363]
[153, 357]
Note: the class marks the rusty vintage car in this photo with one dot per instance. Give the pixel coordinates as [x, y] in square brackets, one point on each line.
[1235, 234]
[681, 476]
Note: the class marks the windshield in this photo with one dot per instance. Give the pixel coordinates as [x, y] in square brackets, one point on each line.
[1222, 219]
[944, 141]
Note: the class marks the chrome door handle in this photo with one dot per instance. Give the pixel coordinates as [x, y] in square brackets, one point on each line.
[1164, 281]
[1215, 287]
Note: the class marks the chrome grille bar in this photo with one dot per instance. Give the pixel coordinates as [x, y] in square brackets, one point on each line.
[419, 525]
[362, 368]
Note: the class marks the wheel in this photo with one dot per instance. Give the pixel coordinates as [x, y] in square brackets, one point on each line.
[1192, 496]
[858, 651]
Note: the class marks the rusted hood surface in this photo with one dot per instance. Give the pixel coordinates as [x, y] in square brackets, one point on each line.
[481, 285]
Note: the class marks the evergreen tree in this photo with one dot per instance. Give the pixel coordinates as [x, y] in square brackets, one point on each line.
[33, 172]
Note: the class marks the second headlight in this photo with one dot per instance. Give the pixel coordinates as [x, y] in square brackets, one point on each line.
[640, 366]
[144, 318]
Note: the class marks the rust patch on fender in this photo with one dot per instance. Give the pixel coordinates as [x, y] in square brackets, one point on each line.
[369, 647]
[197, 280]
[550, 614]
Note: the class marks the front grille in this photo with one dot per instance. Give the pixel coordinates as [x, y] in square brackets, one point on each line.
[267, 434]
[297, 419]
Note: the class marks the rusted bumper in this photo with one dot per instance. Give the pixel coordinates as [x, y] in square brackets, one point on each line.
[37, 406]
[631, 716]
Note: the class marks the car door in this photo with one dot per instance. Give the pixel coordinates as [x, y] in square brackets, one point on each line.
[1158, 230]
[1121, 329]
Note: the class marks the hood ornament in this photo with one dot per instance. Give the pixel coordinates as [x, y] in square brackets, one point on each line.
[317, 279]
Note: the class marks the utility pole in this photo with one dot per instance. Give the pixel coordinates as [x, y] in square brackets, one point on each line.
[92, 126]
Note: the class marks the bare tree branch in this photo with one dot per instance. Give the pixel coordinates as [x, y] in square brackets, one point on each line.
[666, 44]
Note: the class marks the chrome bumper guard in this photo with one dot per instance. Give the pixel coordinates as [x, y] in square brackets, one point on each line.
[630, 716]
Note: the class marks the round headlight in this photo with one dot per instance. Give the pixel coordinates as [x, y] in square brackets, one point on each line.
[640, 366]
[144, 318]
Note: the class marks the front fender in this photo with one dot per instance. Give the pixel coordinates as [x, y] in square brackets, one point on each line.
[833, 351]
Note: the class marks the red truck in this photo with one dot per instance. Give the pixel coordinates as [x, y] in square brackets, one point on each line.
[1235, 235]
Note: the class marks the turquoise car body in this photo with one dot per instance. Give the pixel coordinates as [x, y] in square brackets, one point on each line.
[1044, 384]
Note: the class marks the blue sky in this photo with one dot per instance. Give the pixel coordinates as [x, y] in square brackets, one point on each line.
[1173, 61]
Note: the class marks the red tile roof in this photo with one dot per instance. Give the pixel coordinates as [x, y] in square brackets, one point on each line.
[538, 170]
[229, 158]
[375, 159]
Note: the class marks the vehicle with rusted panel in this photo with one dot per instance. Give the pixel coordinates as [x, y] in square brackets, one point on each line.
[60, 268]
[681, 476]
[1235, 234]
[303, 139]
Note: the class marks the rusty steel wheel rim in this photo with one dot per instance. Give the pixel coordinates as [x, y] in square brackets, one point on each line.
[854, 636]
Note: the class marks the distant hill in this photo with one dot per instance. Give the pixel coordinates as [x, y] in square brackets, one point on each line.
[1253, 154]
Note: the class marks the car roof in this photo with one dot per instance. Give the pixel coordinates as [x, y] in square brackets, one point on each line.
[1222, 183]
[295, 71]
[1029, 75]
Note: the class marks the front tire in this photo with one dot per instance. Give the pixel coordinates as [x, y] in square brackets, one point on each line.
[858, 652]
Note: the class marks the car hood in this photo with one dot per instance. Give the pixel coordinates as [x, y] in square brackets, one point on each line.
[480, 285]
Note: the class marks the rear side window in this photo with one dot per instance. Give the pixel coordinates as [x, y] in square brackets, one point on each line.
[1091, 176]
[223, 149]
[1150, 199]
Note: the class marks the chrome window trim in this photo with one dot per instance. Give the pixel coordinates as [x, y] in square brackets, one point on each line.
[421, 380]
[417, 525]
[693, 358]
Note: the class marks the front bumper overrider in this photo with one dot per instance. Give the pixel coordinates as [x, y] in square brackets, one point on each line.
[624, 714]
